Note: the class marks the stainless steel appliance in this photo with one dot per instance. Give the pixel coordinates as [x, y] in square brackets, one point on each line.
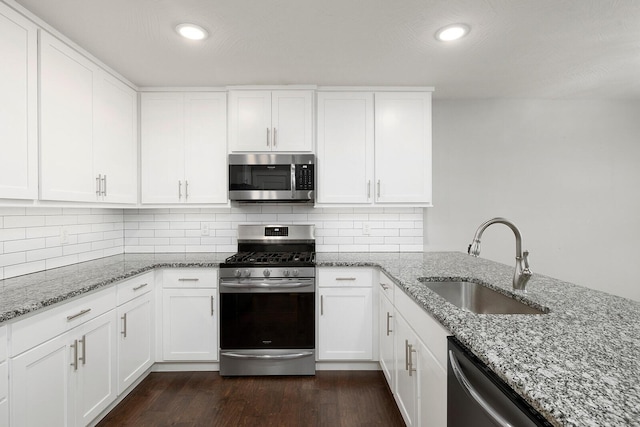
[478, 397]
[272, 177]
[267, 302]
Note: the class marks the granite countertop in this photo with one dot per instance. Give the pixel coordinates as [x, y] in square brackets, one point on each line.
[579, 365]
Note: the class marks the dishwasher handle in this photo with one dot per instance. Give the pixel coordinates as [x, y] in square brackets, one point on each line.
[473, 393]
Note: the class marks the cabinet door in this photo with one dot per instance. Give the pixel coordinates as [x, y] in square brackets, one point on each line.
[18, 109]
[387, 332]
[206, 147]
[345, 326]
[345, 147]
[66, 122]
[135, 340]
[162, 147]
[115, 139]
[250, 121]
[406, 392]
[432, 388]
[95, 377]
[403, 147]
[189, 325]
[292, 120]
[40, 389]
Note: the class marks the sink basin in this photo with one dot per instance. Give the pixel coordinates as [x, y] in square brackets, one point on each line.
[479, 299]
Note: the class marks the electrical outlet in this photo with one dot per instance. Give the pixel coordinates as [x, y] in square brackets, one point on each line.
[64, 236]
[204, 229]
[366, 229]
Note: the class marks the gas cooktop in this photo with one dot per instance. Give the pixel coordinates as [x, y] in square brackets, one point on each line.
[271, 258]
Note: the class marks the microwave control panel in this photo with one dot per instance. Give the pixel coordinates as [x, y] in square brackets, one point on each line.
[304, 177]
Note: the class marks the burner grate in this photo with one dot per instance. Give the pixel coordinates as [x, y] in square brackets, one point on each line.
[271, 257]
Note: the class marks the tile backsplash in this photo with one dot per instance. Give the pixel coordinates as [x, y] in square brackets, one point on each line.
[38, 238]
[35, 239]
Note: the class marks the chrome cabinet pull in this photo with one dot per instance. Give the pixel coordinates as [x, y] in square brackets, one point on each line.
[268, 356]
[411, 351]
[137, 288]
[74, 346]
[83, 341]
[275, 139]
[186, 189]
[406, 355]
[267, 137]
[73, 316]
[378, 188]
[98, 185]
[212, 304]
[187, 279]
[321, 305]
[179, 190]
[385, 287]
[104, 185]
[389, 316]
[124, 325]
[468, 388]
[369, 189]
[345, 278]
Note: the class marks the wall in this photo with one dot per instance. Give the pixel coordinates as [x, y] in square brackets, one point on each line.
[337, 230]
[566, 172]
[31, 239]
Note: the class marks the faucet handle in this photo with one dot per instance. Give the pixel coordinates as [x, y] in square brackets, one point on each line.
[525, 258]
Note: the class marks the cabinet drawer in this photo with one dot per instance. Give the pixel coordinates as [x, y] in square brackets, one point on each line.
[134, 287]
[387, 286]
[339, 277]
[3, 343]
[190, 278]
[41, 327]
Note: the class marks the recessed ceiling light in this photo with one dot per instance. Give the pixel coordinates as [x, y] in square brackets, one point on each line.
[452, 32]
[192, 31]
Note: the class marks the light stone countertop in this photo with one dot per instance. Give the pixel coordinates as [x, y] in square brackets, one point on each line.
[579, 365]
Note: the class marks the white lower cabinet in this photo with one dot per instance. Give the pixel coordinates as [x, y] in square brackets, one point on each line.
[4, 378]
[68, 380]
[345, 314]
[189, 328]
[189, 325]
[413, 359]
[135, 339]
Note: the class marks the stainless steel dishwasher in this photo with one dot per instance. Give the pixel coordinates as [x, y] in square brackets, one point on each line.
[478, 397]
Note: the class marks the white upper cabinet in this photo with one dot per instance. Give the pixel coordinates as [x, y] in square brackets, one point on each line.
[345, 147]
[18, 108]
[88, 125]
[115, 154]
[374, 148]
[271, 120]
[184, 152]
[403, 147]
[66, 122]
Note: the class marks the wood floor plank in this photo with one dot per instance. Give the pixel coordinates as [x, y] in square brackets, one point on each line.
[193, 399]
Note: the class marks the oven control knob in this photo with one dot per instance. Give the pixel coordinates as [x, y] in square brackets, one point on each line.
[246, 273]
[266, 273]
[285, 273]
[295, 272]
[237, 273]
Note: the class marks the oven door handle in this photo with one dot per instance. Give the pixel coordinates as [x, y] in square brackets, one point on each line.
[269, 356]
[262, 285]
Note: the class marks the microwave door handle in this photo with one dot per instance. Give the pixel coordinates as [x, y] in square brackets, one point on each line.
[293, 181]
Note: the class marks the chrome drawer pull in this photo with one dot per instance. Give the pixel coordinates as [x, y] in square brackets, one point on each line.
[269, 356]
[140, 287]
[212, 304]
[389, 316]
[85, 311]
[345, 278]
[124, 326]
[188, 280]
[84, 349]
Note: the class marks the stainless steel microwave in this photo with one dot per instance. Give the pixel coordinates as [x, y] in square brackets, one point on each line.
[272, 177]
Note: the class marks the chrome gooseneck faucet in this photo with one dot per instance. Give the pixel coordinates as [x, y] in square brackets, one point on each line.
[521, 274]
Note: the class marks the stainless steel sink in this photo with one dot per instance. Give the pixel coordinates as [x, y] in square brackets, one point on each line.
[479, 299]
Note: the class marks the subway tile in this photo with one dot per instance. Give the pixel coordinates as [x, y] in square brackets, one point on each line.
[90, 237]
[412, 248]
[101, 227]
[169, 217]
[13, 258]
[384, 248]
[43, 211]
[24, 221]
[368, 240]
[24, 268]
[384, 217]
[34, 232]
[76, 249]
[12, 234]
[102, 244]
[114, 234]
[154, 225]
[157, 241]
[353, 248]
[24, 245]
[76, 211]
[398, 224]
[338, 240]
[43, 254]
[12, 211]
[91, 255]
[76, 229]
[170, 248]
[201, 248]
[411, 232]
[60, 220]
[199, 217]
[185, 240]
[328, 248]
[258, 217]
[116, 250]
[169, 233]
[184, 225]
[139, 249]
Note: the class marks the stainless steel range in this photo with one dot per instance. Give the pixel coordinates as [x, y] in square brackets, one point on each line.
[267, 302]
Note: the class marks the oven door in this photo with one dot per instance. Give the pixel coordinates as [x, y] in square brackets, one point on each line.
[267, 314]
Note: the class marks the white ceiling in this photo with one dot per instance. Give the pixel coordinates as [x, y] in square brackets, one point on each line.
[516, 48]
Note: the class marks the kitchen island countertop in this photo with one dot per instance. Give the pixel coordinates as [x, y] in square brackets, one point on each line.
[579, 365]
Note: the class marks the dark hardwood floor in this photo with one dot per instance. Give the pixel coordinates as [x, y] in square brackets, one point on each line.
[331, 398]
